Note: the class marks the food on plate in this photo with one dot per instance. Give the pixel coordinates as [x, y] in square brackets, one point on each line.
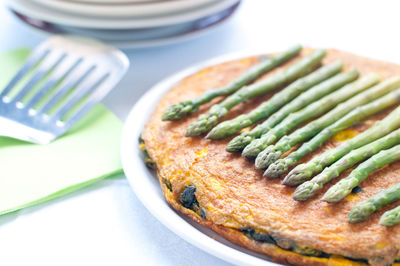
[303, 172]
[207, 121]
[309, 188]
[243, 140]
[356, 115]
[391, 217]
[280, 98]
[275, 151]
[294, 119]
[268, 155]
[223, 190]
[362, 210]
[346, 185]
[179, 110]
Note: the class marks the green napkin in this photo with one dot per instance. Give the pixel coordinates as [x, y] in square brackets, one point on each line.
[32, 173]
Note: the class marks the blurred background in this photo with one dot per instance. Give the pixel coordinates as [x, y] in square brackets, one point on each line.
[105, 224]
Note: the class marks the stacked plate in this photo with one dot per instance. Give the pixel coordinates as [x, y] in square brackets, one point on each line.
[126, 23]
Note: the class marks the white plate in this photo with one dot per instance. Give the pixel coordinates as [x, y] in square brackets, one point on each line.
[40, 12]
[127, 9]
[139, 38]
[113, 1]
[145, 184]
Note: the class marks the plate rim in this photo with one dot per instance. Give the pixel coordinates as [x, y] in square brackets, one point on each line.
[127, 9]
[40, 12]
[134, 44]
[132, 164]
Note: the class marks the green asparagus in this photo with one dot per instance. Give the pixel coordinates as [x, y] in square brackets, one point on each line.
[207, 121]
[240, 142]
[309, 188]
[179, 110]
[303, 172]
[233, 126]
[281, 166]
[313, 110]
[274, 152]
[362, 210]
[345, 185]
[391, 217]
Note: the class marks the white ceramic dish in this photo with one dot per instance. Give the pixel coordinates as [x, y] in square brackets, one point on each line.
[126, 9]
[114, 1]
[145, 184]
[139, 38]
[44, 13]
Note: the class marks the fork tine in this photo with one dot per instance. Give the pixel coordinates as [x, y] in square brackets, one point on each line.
[61, 72]
[85, 88]
[96, 96]
[70, 82]
[32, 60]
[52, 60]
[61, 80]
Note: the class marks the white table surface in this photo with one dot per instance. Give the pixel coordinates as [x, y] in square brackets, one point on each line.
[106, 224]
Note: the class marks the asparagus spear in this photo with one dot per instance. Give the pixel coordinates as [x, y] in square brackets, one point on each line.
[179, 110]
[303, 172]
[311, 111]
[281, 166]
[206, 121]
[345, 185]
[240, 142]
[391, 217]
[274, 152]
[233, 126]
[309, 188]
[362, 210]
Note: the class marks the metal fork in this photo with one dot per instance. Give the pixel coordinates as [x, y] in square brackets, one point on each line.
[72, 73]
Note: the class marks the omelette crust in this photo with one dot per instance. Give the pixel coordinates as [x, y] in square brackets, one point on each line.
[234, 195]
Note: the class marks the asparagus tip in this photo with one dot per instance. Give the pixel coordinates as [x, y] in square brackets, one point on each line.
[223, 130]
[203, 124]
[276, 169]
[305, 191]
[251, 150]
[267, 157]
[213, 134]
[271, 174]
[335, 194]
[357, 214]
[192, 130]
[297, 176]
[178, 111]
[238, 143]
[390, 218]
